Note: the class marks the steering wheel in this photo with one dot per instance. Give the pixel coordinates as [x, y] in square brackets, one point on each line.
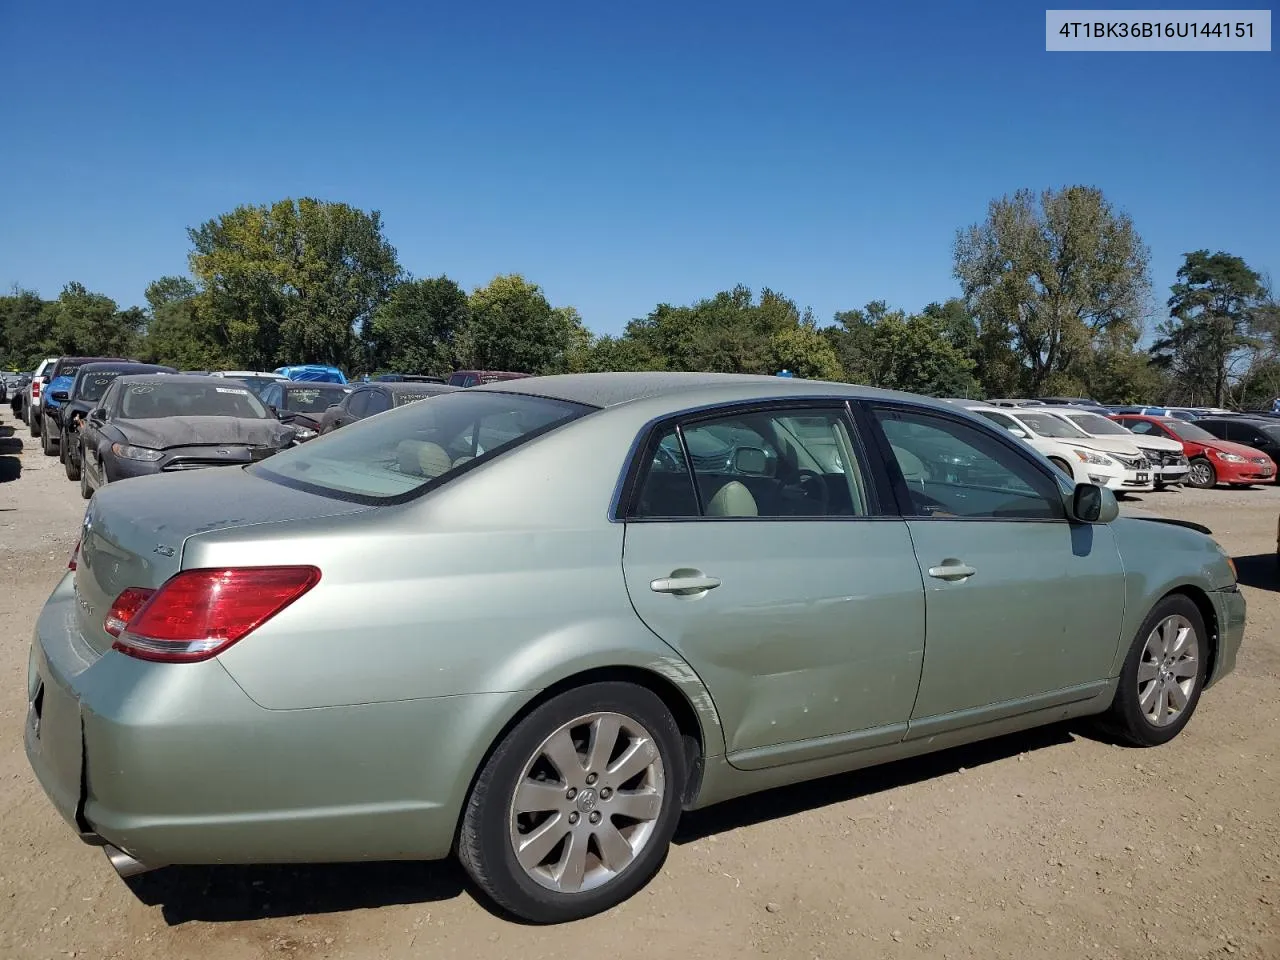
[812, 487]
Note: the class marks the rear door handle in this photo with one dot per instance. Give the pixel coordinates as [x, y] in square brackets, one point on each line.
[952, 570]
[683, 586]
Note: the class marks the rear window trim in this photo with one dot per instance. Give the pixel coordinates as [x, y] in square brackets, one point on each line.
[262, 471]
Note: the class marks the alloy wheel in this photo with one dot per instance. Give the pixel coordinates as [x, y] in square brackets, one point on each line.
[587, 802]
[1201, 474]
[1169, 670]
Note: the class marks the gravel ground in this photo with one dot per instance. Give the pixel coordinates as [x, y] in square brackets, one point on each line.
[1047, 844]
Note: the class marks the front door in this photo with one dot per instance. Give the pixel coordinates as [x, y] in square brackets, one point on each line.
[1023, 606]
[755, 546]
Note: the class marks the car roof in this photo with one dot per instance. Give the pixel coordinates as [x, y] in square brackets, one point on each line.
[108, 366]
[400, 386]
[287, 384]
[249, 373]
[181, 378]
[614, 389]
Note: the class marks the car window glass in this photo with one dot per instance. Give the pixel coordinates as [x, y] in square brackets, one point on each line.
[1145, 427]
[794, 463]
[358, 403]
[953, 469]
[377, 403]
[1000, 420]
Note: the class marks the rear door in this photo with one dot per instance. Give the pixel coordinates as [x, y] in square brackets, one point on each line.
[1023, 606]
[757, 547]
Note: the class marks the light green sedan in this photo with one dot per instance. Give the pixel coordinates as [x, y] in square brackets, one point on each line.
[531, 622]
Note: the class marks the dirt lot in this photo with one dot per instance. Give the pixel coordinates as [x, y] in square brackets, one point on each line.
[1049, 844]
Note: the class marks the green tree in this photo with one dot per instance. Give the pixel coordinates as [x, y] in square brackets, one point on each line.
[1048, 275]
[180, 331]
[416, 329]
[804, 351]
[1218, 307]
[24, 320]
[292, 282]
[514, 327]
[82, 323]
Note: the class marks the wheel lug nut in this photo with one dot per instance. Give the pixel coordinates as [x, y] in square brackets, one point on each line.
[591, 778]
[605, 793]
[572, 793]
[595, 816]
[573, 818]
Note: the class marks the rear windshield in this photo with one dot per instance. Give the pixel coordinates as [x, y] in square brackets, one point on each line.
[149, 399]
[313, 400]
[94, 385]
[404, 451]
[256, 384]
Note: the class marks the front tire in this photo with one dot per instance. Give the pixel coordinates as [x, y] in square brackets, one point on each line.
[70, 462]
[1202, 475]
[47, 442]
[33, 422]
[1162, 676]
[575, 808]
[85, 490]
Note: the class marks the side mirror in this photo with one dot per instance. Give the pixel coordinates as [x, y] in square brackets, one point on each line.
[273, 411]
[753, 462]
[1018, 432]
[62, 396]
[1091, 503]
[98, 415]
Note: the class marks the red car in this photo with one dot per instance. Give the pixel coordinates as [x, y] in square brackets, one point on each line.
[1213, 461]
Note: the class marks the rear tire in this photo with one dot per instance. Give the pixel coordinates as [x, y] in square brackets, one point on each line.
[33, 422]
[567, 801]
[85, 490]
[69, 463]
[1162, 676]
[47, 442]
[1202, 475]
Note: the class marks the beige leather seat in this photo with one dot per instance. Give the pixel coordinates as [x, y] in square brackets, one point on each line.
[733, 500]
[421, 458]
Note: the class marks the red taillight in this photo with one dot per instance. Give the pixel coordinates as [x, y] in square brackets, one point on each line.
[75, 551]
[35, 389]
[125, 606]
[197, 614]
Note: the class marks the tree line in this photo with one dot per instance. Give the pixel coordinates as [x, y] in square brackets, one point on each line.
[1055, 297]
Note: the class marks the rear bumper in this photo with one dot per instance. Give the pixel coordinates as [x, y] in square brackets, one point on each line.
[173, 763]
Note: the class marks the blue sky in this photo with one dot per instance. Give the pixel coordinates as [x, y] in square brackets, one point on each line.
[619, 155]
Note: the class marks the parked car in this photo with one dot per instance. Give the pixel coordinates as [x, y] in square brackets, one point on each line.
[50, 432]
[1175, 413]
[302, 405]
[1016, 403]
[255, 380]
[407, 378]
[1213, 461]
[1262, 435]
[1169, 464]
[559, 642]
[471, 378]
[33, 396]
[313, 372]
[85, 394]
[165, 424]
[1119, 467]
[370, 398]
[1068, 402]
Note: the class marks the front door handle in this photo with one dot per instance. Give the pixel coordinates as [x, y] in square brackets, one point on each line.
[684, 585]
[952, 570]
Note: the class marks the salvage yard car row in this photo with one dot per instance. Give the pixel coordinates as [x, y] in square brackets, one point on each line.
[671, 589]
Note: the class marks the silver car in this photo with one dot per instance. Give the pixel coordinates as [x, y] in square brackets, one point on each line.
[532, 621]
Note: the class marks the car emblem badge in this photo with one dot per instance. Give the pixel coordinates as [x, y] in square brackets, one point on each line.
[586, 800]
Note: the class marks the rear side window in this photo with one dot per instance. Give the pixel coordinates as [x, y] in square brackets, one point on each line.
[783, 463]
[413, 448]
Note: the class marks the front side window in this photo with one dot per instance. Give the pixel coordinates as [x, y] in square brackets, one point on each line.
[94, 385]
[782, 463]
[952, 469]
[414, 447]
[358, 404]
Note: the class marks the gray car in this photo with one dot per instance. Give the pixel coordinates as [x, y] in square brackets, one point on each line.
[532, 622]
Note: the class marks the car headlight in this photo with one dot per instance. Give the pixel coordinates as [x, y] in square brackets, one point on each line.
[304, 434]
[130, 452]
[1229, 457]
[1088, 456]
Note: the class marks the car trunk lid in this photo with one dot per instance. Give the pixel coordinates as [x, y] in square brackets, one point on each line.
[133, 532]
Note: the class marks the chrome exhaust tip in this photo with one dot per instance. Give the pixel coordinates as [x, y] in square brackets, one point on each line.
[124, 865]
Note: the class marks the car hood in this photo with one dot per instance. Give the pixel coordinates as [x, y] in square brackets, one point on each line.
[1239, 449]
[162, 432]
[1106, 445]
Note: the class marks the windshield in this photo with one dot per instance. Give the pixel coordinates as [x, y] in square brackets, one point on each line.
[94, 385]
[256, 384]
[407, 450]
[314, 400]
[1098, 425]
[149, 399]
[1188, 431]
[1047, 425]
